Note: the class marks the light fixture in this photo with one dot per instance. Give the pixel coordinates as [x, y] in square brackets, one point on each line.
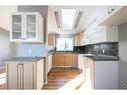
[68, 16]
[57, 16]
[78, 19]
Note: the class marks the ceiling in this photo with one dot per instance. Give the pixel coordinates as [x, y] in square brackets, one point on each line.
[88, 14]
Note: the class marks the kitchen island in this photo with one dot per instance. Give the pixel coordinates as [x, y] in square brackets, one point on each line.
[101, 71]
[24, 73]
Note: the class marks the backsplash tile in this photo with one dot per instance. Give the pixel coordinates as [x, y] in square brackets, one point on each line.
[110, 48]
[105, 48]
[31, 50]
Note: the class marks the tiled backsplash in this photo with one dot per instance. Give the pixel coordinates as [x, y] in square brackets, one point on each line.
[110, 48]
[31, 50]
[106, 48]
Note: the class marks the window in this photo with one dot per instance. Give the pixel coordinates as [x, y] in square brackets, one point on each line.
[64, 44]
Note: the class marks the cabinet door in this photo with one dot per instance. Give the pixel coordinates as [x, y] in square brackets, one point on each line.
[61, 59]
[54, 59]
[27, 76]
[91, 66]
[17, 26]
[77, 39]
[13, 71]
[80, 61]
[49, 62]
[51, 39]
[67, 60]
[71, 60]
[58, 60]
[39, 74]
[31, 26]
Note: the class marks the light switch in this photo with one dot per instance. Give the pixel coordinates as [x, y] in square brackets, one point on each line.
[103, 50]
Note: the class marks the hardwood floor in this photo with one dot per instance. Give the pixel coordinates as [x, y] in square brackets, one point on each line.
[64, 78]
[61, 78]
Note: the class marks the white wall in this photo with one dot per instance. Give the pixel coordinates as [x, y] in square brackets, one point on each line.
[7, 49]
[5, 17]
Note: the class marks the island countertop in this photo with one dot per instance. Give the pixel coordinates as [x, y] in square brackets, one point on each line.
[23, 59]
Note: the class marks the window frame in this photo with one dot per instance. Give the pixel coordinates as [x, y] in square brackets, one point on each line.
[73, 43]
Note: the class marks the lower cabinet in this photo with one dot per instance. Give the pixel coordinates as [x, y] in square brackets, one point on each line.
[24, 75]
[80, 61]
[101, 74]
[49, 62]
[65, 59]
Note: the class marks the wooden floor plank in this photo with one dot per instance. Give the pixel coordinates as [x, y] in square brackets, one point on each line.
[63, 78]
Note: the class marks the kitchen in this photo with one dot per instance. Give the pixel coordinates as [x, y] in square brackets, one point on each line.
[52, 45]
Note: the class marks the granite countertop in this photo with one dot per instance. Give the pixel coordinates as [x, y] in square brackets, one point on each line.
[64, 52]
[24, 59]
[102, 57]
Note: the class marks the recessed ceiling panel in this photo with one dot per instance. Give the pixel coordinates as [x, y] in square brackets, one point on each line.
[68, 16]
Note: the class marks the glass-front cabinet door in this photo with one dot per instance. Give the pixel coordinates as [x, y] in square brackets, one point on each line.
[17, 26]
[26, 27]
[31, 26]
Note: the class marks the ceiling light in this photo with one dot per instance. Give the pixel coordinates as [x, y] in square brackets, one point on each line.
[57, 16]
[68, 16]
[78, 19]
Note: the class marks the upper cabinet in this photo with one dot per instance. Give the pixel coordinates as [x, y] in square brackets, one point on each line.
[105, 34]
[96, 34]
[51, 39]
[26, 27]
[79, 39]
[99, 30]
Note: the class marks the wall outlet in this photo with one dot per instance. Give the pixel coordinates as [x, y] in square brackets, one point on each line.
[103, 50]
[29, 51]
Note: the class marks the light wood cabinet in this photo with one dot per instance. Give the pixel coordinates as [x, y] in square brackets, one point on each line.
[26, 27]
[88, 71]
[80, 61]
[79, 38]
[51, 39]
[24, 75]
[49, 62]
[65, 60]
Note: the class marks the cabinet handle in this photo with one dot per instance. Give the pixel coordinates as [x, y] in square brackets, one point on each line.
[18, 76]
[23, 38]
[22, 76]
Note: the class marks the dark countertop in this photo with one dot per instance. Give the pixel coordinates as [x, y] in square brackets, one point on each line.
[23, 59]
[64, 52]
[102, 57]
